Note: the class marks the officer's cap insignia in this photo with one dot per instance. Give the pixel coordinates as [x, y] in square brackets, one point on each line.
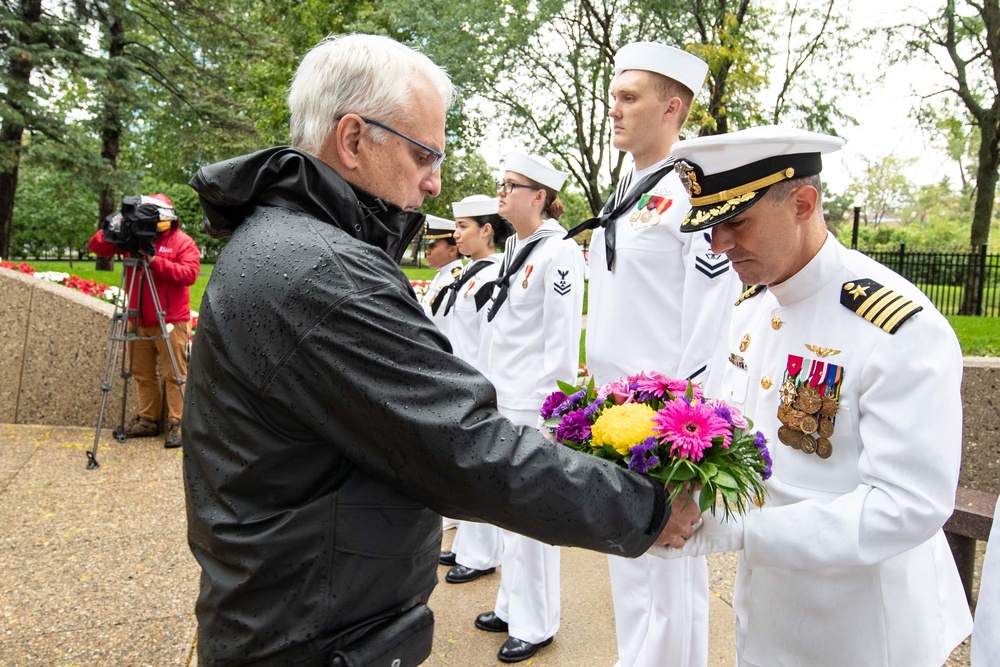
[688, 178]
[750, 293]
[883, 307]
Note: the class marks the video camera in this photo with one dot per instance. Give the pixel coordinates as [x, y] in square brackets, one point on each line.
[133, 228]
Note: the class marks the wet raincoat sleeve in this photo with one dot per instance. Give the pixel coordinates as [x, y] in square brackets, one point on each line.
[398, 405]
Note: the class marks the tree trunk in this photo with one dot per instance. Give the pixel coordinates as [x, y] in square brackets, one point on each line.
[982, 212]
[111, 123]
[12, 130]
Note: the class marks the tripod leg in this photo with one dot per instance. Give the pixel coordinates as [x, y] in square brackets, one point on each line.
[119, 325]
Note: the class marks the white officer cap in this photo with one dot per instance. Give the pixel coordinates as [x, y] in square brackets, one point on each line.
[536, 168]
[474, 206]
[726, 174]
[438, 228]
[685, 68]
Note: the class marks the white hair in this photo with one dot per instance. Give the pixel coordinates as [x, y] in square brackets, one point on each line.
[370, 75]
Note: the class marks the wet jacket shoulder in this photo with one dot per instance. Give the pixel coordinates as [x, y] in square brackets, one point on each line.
[325, 415]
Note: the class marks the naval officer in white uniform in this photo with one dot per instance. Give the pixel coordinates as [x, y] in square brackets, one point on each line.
[855, 378]
[441, 254]
[646, 276]
[479, 233]
[536, 318]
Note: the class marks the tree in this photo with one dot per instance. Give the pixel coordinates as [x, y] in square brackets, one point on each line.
[540, 71]
[883, 189]
[964, 41]
[36, 43]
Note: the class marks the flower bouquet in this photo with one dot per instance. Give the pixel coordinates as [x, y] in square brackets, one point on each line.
[666, 429]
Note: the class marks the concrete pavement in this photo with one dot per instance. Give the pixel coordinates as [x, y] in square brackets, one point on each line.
[95, 569]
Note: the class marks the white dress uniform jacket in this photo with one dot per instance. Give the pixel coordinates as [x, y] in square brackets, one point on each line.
[466, 325]
[847, 564]
[665, 306]
[445, 276]
[986, 631]
[535, 336]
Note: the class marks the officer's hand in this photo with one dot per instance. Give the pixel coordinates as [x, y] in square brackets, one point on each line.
[716, 534]
[684, 516]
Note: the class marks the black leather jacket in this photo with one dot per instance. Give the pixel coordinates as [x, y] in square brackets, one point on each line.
[326, 425]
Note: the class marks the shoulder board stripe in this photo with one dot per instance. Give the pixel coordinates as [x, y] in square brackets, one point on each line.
[883, 307]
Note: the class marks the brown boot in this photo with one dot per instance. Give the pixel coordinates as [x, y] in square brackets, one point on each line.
[173, 434]
[140, 427]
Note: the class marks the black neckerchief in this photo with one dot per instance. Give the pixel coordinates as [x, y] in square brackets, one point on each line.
[607, 217]
[456, 286]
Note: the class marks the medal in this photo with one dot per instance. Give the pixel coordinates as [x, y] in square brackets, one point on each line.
[786, 435]
[784, 412]
[634, 217]
[466, 295]
[788, 391]
[807, 444]
[646, 216]
[824, 448]
[527, 272]
[825, 428]
[808, 425]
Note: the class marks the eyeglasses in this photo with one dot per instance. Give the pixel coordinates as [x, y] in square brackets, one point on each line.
[438, 155]
[507, 187]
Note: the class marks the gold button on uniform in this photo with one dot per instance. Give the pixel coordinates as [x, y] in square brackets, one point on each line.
[776, 323]
[765, 382]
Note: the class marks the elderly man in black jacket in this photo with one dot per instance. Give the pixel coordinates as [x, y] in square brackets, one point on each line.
[327, 426]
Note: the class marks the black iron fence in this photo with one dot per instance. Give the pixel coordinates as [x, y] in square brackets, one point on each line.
[959, 283]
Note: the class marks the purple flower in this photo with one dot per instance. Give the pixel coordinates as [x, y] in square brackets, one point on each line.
[574, 427]
[591, 409]
[568, 404]
[760, 442]
[640, 462]
[551, 403]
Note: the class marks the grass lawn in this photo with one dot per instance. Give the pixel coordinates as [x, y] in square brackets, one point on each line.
[979, 336]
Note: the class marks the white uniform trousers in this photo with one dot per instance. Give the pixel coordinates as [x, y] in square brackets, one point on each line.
[528, 598]
[661, 611]
[986, 630]
[478, 545]
[529, 588]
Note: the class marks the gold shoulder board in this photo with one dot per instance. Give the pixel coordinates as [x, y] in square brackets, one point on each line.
[750, 293]
[879, 305]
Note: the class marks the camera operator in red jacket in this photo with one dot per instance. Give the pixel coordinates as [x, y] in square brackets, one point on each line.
[174, 266]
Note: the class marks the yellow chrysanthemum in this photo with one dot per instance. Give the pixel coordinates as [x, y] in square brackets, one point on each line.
[622, 426]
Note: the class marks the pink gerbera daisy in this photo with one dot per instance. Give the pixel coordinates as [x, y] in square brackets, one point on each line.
[689, 426]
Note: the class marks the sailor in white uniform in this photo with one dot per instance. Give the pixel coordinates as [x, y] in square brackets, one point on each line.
[986, 631]
[536, 318]
[855, 379]
[479, 233]
[441, 254]
[646, 276]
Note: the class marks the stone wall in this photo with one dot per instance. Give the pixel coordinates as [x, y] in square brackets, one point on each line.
[980, 396]
[54, 344]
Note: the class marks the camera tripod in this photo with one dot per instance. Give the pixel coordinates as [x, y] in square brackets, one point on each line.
[125, 329]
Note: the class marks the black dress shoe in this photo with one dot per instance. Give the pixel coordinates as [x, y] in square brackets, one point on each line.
[490, 622]
[516, 650]
[447, 558]
[461, 574]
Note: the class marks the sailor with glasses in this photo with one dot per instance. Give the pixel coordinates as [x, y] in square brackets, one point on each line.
[534, 341]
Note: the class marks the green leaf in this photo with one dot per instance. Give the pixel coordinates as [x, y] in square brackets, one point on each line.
[567, 388]
[725, 480]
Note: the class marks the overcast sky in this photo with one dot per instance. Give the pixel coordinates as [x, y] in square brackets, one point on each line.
[885, 127]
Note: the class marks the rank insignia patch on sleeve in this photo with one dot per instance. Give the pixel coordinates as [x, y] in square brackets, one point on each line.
[562, 287]
[883, 307]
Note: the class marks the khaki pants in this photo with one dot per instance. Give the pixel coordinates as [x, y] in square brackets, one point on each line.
[145, 354]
